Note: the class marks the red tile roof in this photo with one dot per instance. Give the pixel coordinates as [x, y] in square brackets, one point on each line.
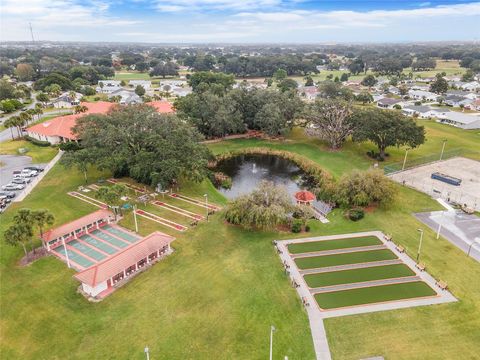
[305, 196]
[62, 125]
[115, 264]
[76, 224]
[162, 106]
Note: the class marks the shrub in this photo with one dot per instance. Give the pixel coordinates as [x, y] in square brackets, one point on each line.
[356, 214]
[362, 188]
[37, 142]
[296, 226]
[307, 228]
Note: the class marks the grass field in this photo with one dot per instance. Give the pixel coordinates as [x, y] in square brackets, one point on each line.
[333, 244]
[39, 154]
[344, 259]
[375, 294]
[218, 294]
[358, 275]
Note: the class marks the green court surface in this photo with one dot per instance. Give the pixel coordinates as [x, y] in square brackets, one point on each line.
[358, 275]
[98, 244]
[110, 239]
[344, 259]
[73, 256]
[333, 244]
[121, 234]
[86, 250]
[375, 294]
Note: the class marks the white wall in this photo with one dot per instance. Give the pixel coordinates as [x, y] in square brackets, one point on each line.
[94, 291]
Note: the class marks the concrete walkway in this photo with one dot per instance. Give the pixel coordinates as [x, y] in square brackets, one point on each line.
[316, 314]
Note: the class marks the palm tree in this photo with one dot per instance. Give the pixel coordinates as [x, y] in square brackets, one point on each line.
[24, 218]
[18, 234]
[10, 124]
[41, 218]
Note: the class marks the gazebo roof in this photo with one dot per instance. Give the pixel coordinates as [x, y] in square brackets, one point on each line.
[305, 196]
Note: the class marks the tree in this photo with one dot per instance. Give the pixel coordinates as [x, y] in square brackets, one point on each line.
[24, 72]
[280, 75]
[24, 219]
[139, 90]
[53, 89]
[112, 196]
[386, 128]
[364, 97]
[7, 90]
[362, 188]
[137, 141]
[18, 234]
[271, 121]
[79, 158]
[78, 109]
[41, 218]
[403, 89]
[335, 90]
[330, 120]
[287, 85]
[369, 81]
[468, 76]
[309, 81]
[264, 208]
[439, 85]
[344, 77]
[204, 80]
[43, 98]
[356, 66]
[164, 70]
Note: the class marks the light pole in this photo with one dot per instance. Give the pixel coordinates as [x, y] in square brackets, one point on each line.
[405, 159]
[147, 353]
[470, 247]
[443, 148]
[135, 217]
[420, 244]
[206, 203]
[272, 329]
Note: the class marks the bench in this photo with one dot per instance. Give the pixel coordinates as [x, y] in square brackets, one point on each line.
[400, 248]
[442, 285]
[420, 266]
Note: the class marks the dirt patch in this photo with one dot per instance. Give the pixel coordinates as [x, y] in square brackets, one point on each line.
[31, 256]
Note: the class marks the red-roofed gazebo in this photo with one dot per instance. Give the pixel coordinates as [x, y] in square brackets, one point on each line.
[304, 197]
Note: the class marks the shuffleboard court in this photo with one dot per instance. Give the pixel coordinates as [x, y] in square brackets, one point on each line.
[98, 244]
[110, 239]
[358, 275]
[120, 233]
[86, 250]
[374, 294]
[343, 259]
[73, 256]
[333, 244]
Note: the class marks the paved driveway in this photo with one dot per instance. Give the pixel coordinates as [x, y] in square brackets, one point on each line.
[460, 229]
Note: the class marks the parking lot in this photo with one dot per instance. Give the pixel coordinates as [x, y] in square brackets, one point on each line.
[11, 163]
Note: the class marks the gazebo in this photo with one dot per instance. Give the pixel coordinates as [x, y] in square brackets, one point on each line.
[304, 197]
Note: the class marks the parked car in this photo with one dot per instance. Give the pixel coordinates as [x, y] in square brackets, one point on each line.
[5, 199]
[29, 173]
[34, 168]
[21, 180]
[13, 187]
[8, 194]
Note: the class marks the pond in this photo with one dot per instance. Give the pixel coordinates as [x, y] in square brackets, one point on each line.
[247, 171]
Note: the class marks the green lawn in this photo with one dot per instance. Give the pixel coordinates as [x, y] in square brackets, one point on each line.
[358, 275]
[333, 244]
[39, 154]
[218, 294]
[344, 259]
[374, 294]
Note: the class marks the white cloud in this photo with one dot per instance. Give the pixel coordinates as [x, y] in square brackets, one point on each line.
[207, 5]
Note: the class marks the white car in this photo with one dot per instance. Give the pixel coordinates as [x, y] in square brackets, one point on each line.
[21, 179]
[11, 187]
[28, 173]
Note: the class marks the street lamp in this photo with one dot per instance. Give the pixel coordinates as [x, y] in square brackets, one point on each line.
[470, 247]
[419, 245]
[405, 158]
[206, 203]
[272, 329]
[443, 148]
[147, 353]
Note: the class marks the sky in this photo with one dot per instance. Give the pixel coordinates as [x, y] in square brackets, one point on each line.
[240, 21]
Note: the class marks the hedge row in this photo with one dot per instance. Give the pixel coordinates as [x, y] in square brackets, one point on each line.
[37, 142]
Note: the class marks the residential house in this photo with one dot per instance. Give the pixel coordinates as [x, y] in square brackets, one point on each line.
[453, 100]
[471, 86]
[108, 86]
[146, 84]
[461, 120]
[66, 100]
[422, 95]
[388, 103]
[423, 112]
[127, 97]
[308, 92]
